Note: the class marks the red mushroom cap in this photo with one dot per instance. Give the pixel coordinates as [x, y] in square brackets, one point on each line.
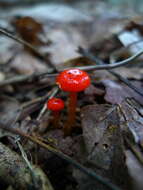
[73, 80]
[55, 104]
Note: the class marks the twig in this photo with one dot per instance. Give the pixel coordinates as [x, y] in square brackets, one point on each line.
[33, 105]
[123, 49]
[24, 156]
[26, 78]
[53, 93]
[127, 82]
[23, 42]
[86, 68]
[99, 61]
[109, 66]
[35, 179]
[63, 156]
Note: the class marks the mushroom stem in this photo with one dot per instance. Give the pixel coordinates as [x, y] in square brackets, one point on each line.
[71, 113]
[56, 119]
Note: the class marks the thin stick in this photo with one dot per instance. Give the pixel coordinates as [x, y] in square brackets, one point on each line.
[33, 105]
[63, 156]
[127, 82]
[53, 93]
[109, 66]
[24, 156]
[23, 42]
[124, 48]
[86, 68]
[26, 78]
[99, 61]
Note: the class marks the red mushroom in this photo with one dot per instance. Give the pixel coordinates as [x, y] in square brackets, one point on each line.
[55, 105]
[72, 81]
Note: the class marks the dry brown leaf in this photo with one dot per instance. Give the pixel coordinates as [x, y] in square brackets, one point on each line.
[29, 29]
[116, 92]
[104, 146]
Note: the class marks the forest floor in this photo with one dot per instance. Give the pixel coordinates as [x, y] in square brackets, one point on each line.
[104, 149]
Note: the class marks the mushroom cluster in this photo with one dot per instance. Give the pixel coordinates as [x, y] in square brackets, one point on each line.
[72, 81]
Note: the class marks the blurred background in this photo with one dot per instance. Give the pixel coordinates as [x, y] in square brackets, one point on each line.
[70, 24]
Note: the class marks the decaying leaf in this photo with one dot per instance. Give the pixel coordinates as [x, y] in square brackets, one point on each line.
[131, 119]
[130, 73]
[116, 93]
[69, 43]
[29, 29]
[135, 169]
[25, 63]
[9, 110]
[104, 146]
[9, 113]
[131, 123]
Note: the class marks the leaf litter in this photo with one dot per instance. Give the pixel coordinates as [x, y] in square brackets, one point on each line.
[107, 136]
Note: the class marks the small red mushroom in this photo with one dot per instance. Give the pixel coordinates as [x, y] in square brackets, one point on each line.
[55, 105]
[72, 81]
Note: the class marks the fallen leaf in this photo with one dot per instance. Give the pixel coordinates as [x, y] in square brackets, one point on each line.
[131, 119]
[9, 113]
[131, 73]
[24, 63]
[135, 170]
[104, 145]
[60, 38]
[9, 110]
[29, 29]
[116, 93]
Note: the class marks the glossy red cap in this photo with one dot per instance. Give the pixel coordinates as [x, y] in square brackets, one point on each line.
[73, 80]
[55, 104]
